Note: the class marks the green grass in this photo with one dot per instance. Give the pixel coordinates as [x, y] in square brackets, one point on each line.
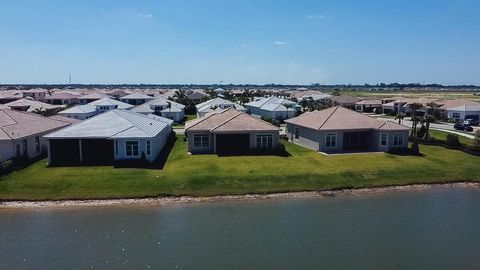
[212, 175]
[442, 136]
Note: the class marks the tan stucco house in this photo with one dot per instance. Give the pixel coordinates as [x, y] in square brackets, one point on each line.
[337, 129]
[230, 132]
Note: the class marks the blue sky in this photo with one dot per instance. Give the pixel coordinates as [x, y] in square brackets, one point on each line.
[240, 41]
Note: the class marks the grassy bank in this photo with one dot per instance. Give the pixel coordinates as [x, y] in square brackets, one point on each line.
[442, 136]
[212, 175]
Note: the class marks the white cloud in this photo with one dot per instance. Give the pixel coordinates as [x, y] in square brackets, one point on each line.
[146, 16]
[313, 16]
[280, 43]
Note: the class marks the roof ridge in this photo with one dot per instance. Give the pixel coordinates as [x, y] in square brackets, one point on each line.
[201, 119]
[328, 117]
[226, 121]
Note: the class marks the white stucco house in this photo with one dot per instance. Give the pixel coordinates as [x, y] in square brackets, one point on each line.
[162, 107]
[91, 109]
[117, 135]
[217, 104]
[271, 108]
[464, 112]
[21, 133]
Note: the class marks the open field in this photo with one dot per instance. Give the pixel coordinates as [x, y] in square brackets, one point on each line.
[183, 174]
[417, 94]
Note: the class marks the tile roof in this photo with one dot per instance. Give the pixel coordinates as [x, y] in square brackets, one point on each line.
[32, 105]
[115, 124]
[136, 95]
[213, 105]
[369, 102]
[229, 120]
[466, 108]
[146, 107]
[339, 118]
[452, 103]
[16, 124]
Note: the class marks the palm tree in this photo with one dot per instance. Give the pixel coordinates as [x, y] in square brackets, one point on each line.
[400, 116]
[428, 119]
[414, 107]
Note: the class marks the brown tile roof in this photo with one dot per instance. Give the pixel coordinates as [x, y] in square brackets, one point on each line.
[452, 103]
[339, 118]
[16, 125]
[369, 102]
[229, 120]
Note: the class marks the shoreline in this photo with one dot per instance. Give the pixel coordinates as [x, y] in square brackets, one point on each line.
[162, 201]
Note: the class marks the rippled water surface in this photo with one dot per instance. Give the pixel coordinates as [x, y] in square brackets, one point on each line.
[435, 229]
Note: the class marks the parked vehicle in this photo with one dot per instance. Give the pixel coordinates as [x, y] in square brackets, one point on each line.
[461, 126]
[470, 122]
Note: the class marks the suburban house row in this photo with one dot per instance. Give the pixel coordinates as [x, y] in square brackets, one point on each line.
[124, 135]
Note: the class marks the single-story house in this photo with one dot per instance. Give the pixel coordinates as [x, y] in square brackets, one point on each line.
[368, 105]
[197, 95]
[37, 93]
[91, 109]
[21, 133]
[312, 95]
[91, 97]
[272, 108]
[162, 107]
[62, 98]
[230, 132]
[337, 130]
[112, 136]
[345, 101]
[464, 112]
[7, 96]
[217, 104]
[30, 105]
[136, 98]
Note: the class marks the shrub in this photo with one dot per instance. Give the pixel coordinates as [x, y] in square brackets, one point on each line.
[415, 148]
[6, 166]
[452, 140]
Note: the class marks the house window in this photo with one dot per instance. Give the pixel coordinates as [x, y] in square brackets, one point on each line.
[201, 141]
[17, 149]
[297, 133]
[37, 144]
[383, 139]
[331, 140]
[149, 148]
[116, 148]
[398, 139]
[456, 115]
[131, 148]
[265, 141]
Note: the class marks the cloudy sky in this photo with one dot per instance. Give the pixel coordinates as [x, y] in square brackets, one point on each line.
[240, 41]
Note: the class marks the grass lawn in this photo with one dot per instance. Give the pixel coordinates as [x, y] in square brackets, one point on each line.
[212, 175]
[442, 136]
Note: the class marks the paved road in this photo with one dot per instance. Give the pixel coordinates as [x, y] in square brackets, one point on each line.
[447, 127]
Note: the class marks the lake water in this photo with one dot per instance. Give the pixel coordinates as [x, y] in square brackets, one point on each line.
[435, 229]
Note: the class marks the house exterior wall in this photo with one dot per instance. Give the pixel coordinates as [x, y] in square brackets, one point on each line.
[315, 139]
[211, 149]
[8, 149]
[157, 143]
[462, 114]
[175, 116]
[270, 114]
[193, 150]
[80, 116]
[308, 138]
